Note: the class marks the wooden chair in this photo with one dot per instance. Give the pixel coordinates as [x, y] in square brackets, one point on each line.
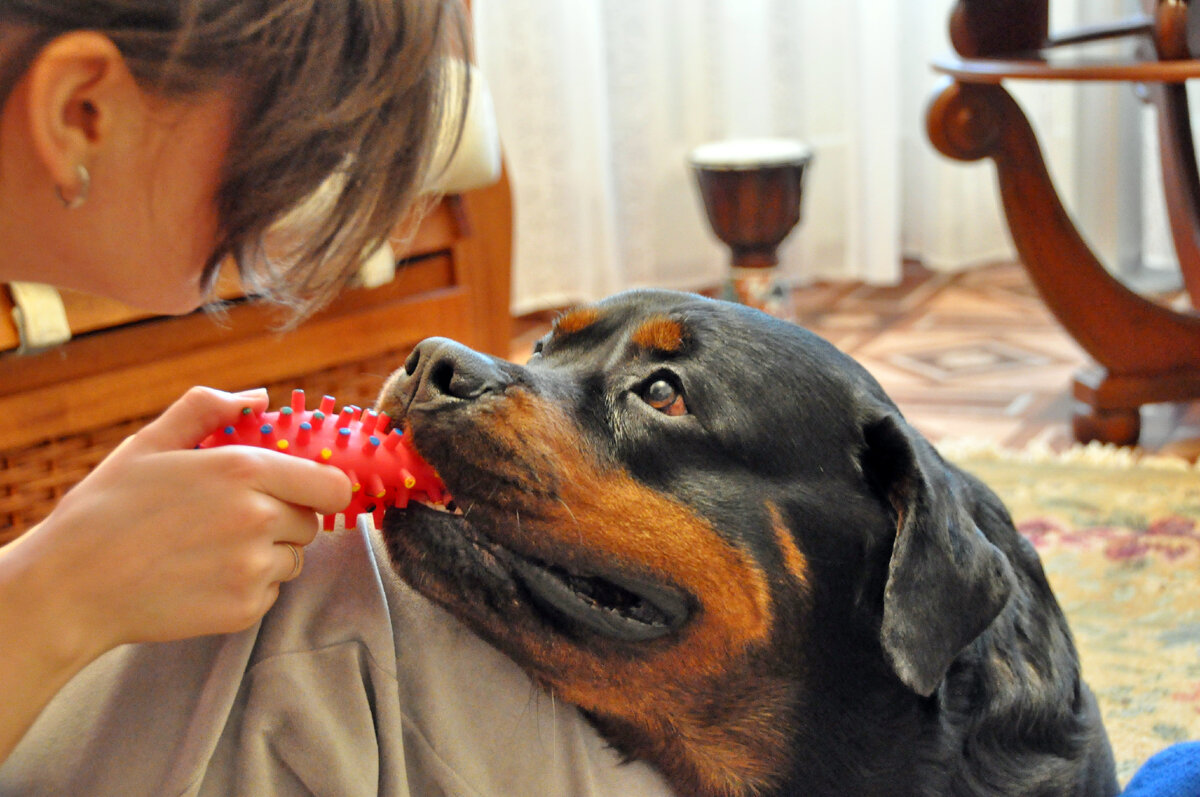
[1144, 352]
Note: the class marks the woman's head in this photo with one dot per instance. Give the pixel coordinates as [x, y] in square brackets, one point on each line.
[330, 110]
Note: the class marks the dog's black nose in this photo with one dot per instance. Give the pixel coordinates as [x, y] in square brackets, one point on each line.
[439, 368]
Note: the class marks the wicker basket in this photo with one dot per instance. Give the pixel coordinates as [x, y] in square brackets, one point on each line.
[34, 478]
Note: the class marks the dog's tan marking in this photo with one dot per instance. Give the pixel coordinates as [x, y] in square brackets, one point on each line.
[793, 560]
[605, 515]
[661, 334]
[698, 692]
[728, 754]
[574, 321]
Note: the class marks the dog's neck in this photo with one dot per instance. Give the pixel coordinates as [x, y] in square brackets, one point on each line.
[751, 746]
[738, 741]
[745, 739]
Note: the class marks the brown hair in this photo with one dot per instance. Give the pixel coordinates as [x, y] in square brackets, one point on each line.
[341, 103]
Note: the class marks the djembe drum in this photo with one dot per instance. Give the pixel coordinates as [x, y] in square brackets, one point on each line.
[752, 190]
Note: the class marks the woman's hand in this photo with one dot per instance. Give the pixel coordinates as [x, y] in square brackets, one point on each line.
[160, 542]
[163, 541]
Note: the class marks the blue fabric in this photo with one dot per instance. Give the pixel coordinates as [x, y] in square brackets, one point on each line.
[1174, 772]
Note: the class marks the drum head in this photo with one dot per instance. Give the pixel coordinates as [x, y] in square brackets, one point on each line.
[750, 153]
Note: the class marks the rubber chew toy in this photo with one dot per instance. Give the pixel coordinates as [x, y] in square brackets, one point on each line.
[384, 468]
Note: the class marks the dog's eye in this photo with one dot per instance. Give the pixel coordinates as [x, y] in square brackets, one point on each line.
[664, 397]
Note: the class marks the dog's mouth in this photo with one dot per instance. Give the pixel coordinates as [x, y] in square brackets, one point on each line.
[632, 610]
[475, 572]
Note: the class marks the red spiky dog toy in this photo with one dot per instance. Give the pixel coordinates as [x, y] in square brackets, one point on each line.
[384, 469]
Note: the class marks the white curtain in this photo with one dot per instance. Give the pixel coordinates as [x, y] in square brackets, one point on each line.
[600, 101]
[1157, 265]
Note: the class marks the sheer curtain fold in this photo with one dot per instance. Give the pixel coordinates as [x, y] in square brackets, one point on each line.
[600, 101]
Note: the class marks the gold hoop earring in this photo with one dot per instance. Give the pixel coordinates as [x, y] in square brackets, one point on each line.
[81, 194]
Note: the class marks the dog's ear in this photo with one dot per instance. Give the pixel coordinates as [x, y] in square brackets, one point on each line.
[946, 582]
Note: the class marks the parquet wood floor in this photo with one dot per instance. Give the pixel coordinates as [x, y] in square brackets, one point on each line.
[966, 355]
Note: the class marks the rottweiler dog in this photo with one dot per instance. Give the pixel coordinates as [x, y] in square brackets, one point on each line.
[715, 534]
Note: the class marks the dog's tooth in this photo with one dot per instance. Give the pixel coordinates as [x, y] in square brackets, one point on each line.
[444, 508]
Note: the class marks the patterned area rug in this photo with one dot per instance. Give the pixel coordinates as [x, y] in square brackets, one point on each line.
[1120, 541]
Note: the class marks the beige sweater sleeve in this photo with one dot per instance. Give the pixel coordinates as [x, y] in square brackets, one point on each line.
[351, 685]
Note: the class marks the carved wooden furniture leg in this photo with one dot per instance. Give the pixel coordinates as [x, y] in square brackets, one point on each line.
[1144, 352]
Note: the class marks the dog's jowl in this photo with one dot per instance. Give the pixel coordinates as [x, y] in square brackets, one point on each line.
[714, 533]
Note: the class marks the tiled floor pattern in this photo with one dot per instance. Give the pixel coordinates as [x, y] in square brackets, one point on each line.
[968, 355]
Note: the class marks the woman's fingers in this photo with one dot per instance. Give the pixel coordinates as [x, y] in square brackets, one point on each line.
[286, 478]
[194, 417]
[292, 480]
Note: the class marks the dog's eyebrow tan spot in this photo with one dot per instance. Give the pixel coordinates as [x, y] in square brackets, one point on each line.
[793, 560]
[575, 321]
[661, 334]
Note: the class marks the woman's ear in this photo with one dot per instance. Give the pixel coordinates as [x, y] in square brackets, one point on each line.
[78, 87]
